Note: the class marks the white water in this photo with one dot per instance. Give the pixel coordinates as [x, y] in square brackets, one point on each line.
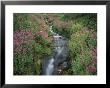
[59, 49]
[50, 67]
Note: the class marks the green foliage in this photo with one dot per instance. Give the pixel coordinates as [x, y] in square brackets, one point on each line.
[23, 64]
[80, 50]
[25, 21]
[65, 32]
[70, 16]
[76, 27]
[29, 62]
[62, 16]
[21, 21]
[43, 46]
[88, 20]
[91, 41]
[81, 43]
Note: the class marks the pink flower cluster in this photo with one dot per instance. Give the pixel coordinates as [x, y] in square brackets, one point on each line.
[22, 37]
[92, 66]
[91, 69]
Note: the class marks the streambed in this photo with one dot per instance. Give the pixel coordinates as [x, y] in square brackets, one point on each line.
[58, 59]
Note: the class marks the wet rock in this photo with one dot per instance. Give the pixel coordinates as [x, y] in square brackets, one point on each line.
[60, 55]
[64, 65]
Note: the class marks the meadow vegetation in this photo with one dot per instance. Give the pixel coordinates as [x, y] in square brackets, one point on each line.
[32, 41]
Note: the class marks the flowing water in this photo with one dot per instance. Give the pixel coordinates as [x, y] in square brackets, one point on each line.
[59, 55]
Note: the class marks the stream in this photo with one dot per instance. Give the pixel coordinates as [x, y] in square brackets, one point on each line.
[58, 59]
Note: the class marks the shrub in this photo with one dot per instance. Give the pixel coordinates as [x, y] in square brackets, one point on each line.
[21, 21]
[80, 51]
[28, 52]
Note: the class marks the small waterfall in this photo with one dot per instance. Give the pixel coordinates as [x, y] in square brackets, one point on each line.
[50, 67]
[59, 54]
